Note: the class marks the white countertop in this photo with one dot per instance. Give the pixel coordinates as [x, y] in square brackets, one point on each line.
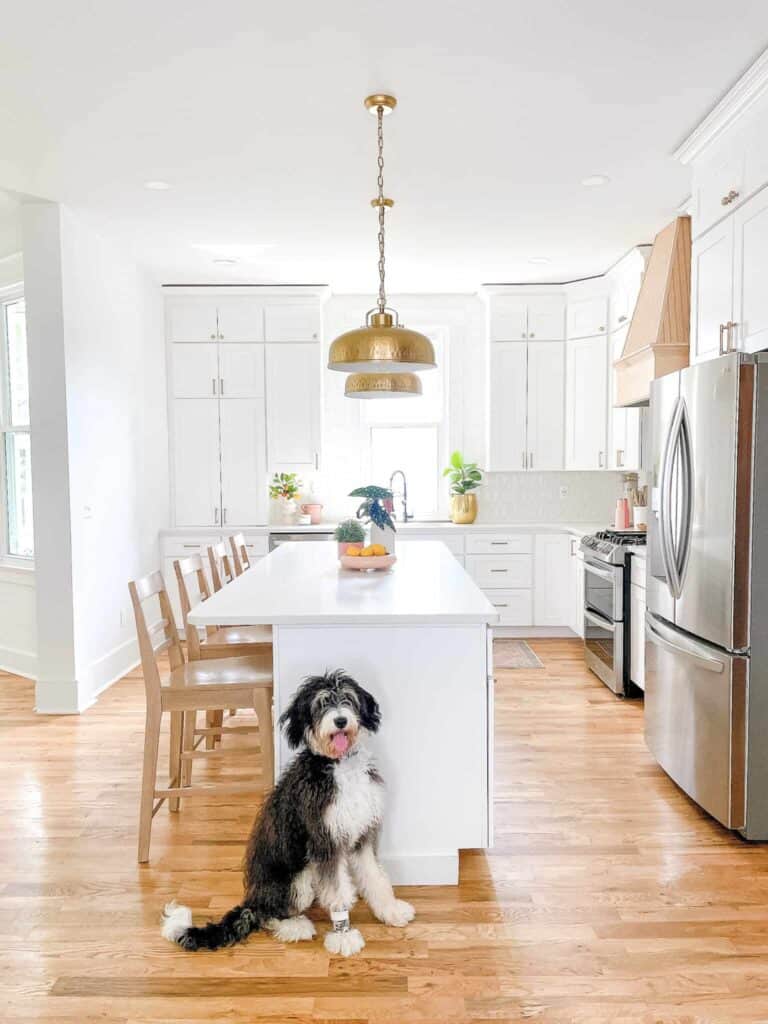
[304, 584]
[420, 526]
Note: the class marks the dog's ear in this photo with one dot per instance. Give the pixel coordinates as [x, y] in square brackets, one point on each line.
[370, 714]
[295, 719]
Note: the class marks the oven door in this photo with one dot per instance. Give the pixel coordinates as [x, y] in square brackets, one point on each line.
[603, 589]
[604, 649]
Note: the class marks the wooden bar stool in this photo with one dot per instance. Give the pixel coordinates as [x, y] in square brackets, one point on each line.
[222, 569]
[240, 559]
[210, 685]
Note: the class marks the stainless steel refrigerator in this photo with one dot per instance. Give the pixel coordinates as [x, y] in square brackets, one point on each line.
[706, 695]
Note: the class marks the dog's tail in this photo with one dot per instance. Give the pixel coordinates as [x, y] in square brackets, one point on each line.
[236, 925]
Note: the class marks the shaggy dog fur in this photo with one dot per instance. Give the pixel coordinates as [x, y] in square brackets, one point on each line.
[316, 835]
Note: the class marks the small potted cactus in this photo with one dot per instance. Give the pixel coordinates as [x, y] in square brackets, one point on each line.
[347, 533]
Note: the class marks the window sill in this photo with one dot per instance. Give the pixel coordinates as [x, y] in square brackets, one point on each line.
[17, 570]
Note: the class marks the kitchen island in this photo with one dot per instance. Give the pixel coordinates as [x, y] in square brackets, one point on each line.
[418, 638]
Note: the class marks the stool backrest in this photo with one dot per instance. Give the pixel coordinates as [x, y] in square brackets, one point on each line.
[239, 553]
[158, 637]
[221, 566]
[193, 589]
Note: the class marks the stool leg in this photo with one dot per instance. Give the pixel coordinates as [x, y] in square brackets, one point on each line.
[174, 757]
[188, 745]
[262, 704]
[210, 739]
[148, 778]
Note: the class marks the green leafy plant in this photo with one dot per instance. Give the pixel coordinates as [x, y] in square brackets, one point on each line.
[372, 510]
[349, 531]
[284, 485]
[464, 476]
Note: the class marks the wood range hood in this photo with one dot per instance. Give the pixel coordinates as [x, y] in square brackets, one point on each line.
[658, 337]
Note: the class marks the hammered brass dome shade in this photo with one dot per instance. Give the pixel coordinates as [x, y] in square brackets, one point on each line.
[381, 347]
[382, 385]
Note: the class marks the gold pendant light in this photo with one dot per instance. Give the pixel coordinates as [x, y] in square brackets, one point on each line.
[383, 347]
[382, 385]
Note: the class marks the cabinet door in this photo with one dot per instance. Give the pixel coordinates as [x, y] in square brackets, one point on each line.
[546, 318]
[507, 439]
[552, 604]
[197, 494]
[711, 289]
[243, 462]
[577, 588]
[241, 370]
[195, 370]
[587, 403]
[293, 406]
[546, 404]
[508, 318]
[714, 182]
[587, 317]
[240, 318]
[296, 321]
[624, 425]
[751, 274]
[190, 319]
[637, 635]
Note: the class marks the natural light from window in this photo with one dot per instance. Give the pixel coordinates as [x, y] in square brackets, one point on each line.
[16, 453]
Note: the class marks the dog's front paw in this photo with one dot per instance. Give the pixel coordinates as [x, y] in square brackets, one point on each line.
[344, 943]
[398, 914]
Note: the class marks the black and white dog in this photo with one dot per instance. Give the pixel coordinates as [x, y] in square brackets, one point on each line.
[315, 837]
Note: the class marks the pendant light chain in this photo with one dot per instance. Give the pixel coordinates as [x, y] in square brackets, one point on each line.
[382, 207]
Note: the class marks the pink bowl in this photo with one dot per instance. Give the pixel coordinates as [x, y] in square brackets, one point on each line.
[364, 563]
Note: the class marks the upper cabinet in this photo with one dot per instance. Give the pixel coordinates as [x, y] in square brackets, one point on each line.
[711, 291]
[527, 317]
[293, 321]
[190, 319]
[586, 403]
[750, 275]
[587, 317]
[240, 319]
[293, 374]
[546, 404]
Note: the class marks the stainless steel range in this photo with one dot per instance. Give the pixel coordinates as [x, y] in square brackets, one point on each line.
[607, 575]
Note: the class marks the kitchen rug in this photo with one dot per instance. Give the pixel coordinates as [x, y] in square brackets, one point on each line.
[514, 654]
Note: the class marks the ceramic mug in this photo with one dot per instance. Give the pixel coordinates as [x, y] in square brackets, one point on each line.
[313, 510]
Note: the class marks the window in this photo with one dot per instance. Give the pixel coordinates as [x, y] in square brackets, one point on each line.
[16, 538]
[410, 434]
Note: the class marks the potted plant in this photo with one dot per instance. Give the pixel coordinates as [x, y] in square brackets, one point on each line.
[374, 511]
[349, 532]
[464, 477]
[284, 489]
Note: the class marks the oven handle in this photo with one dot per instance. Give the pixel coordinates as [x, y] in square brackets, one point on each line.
[604, 574]
[598, 620]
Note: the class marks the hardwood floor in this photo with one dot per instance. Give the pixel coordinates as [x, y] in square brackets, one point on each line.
[608, 897]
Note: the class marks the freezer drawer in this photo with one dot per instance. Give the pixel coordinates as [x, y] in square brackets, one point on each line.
[695, 714]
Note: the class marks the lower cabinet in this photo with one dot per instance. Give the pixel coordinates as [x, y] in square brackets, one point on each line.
[637, 635]
[576, 586]
[552, 604]
[515, 607]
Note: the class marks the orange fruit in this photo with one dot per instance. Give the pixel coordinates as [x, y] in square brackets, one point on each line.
[354, 552]
[378, 549]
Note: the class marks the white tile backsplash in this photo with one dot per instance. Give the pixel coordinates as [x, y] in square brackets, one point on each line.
[536, 497]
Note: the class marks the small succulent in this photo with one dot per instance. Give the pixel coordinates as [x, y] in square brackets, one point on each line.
[349, 531]
[372, 510]
[284, 485]
[465, 476]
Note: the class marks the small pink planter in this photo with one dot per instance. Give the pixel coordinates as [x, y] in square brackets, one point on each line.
[345, 544]
[313, 510]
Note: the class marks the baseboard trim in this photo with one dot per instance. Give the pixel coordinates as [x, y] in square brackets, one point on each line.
[532, 632]
[422, 869]
[18, 663]
[60, 697]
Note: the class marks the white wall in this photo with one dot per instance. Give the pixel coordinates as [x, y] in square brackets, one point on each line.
[18, 632]
[112, 427]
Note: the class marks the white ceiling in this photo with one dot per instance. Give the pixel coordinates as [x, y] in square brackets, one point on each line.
[253, 112]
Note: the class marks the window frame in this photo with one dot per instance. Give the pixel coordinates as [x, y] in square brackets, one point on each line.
[8, 295]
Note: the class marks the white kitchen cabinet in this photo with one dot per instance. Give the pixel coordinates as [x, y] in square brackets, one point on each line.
[494, 572]
[190, 319]
[240, 318]
[637, 635]
[514, 607]
[586, 403]
[576, 586]
[717, 187]
[499, 543]
[750, 300]
[527, 318]
[624, 425]
[241, 370]
[295, 321]
[587, 317]
[195, 370]
[197, 491]
[507, 428]
[711, 290]
[546, 405]
[552, 605]
[243, 462]
[293, 406]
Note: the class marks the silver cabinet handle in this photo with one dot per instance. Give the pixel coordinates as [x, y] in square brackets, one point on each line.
[499, 543]
[213, 337]
[721, 350]
[523, 334]
[500, 604]
[221, 385]
[531, 335]
[620, 458]
[601, 460]
[574, 541]
[195, 547]
[499, 570]
[216, 516]
[317, 460]
[530, 460]
[213, 385]
[224, 516]
[602, 328]
[221, 337]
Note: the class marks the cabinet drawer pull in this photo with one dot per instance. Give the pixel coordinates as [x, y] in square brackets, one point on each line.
[499, 570]
[499, 543]
[499, 604]
[193, 546]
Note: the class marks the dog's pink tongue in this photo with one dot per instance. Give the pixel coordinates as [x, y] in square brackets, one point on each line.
[340, 742]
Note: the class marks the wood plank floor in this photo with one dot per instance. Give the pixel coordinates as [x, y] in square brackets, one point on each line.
[608, 897]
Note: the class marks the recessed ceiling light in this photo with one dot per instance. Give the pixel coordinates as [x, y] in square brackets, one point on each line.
[595, 180]
[157, 186]
[539, 259]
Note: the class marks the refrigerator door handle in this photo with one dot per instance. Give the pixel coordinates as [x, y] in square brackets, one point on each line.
[677, 453]
[665, 503]
[710, 664]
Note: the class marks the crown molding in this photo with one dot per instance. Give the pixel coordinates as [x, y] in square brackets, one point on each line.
[749, 88]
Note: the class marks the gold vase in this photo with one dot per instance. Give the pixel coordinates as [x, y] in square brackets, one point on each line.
[463, 508]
